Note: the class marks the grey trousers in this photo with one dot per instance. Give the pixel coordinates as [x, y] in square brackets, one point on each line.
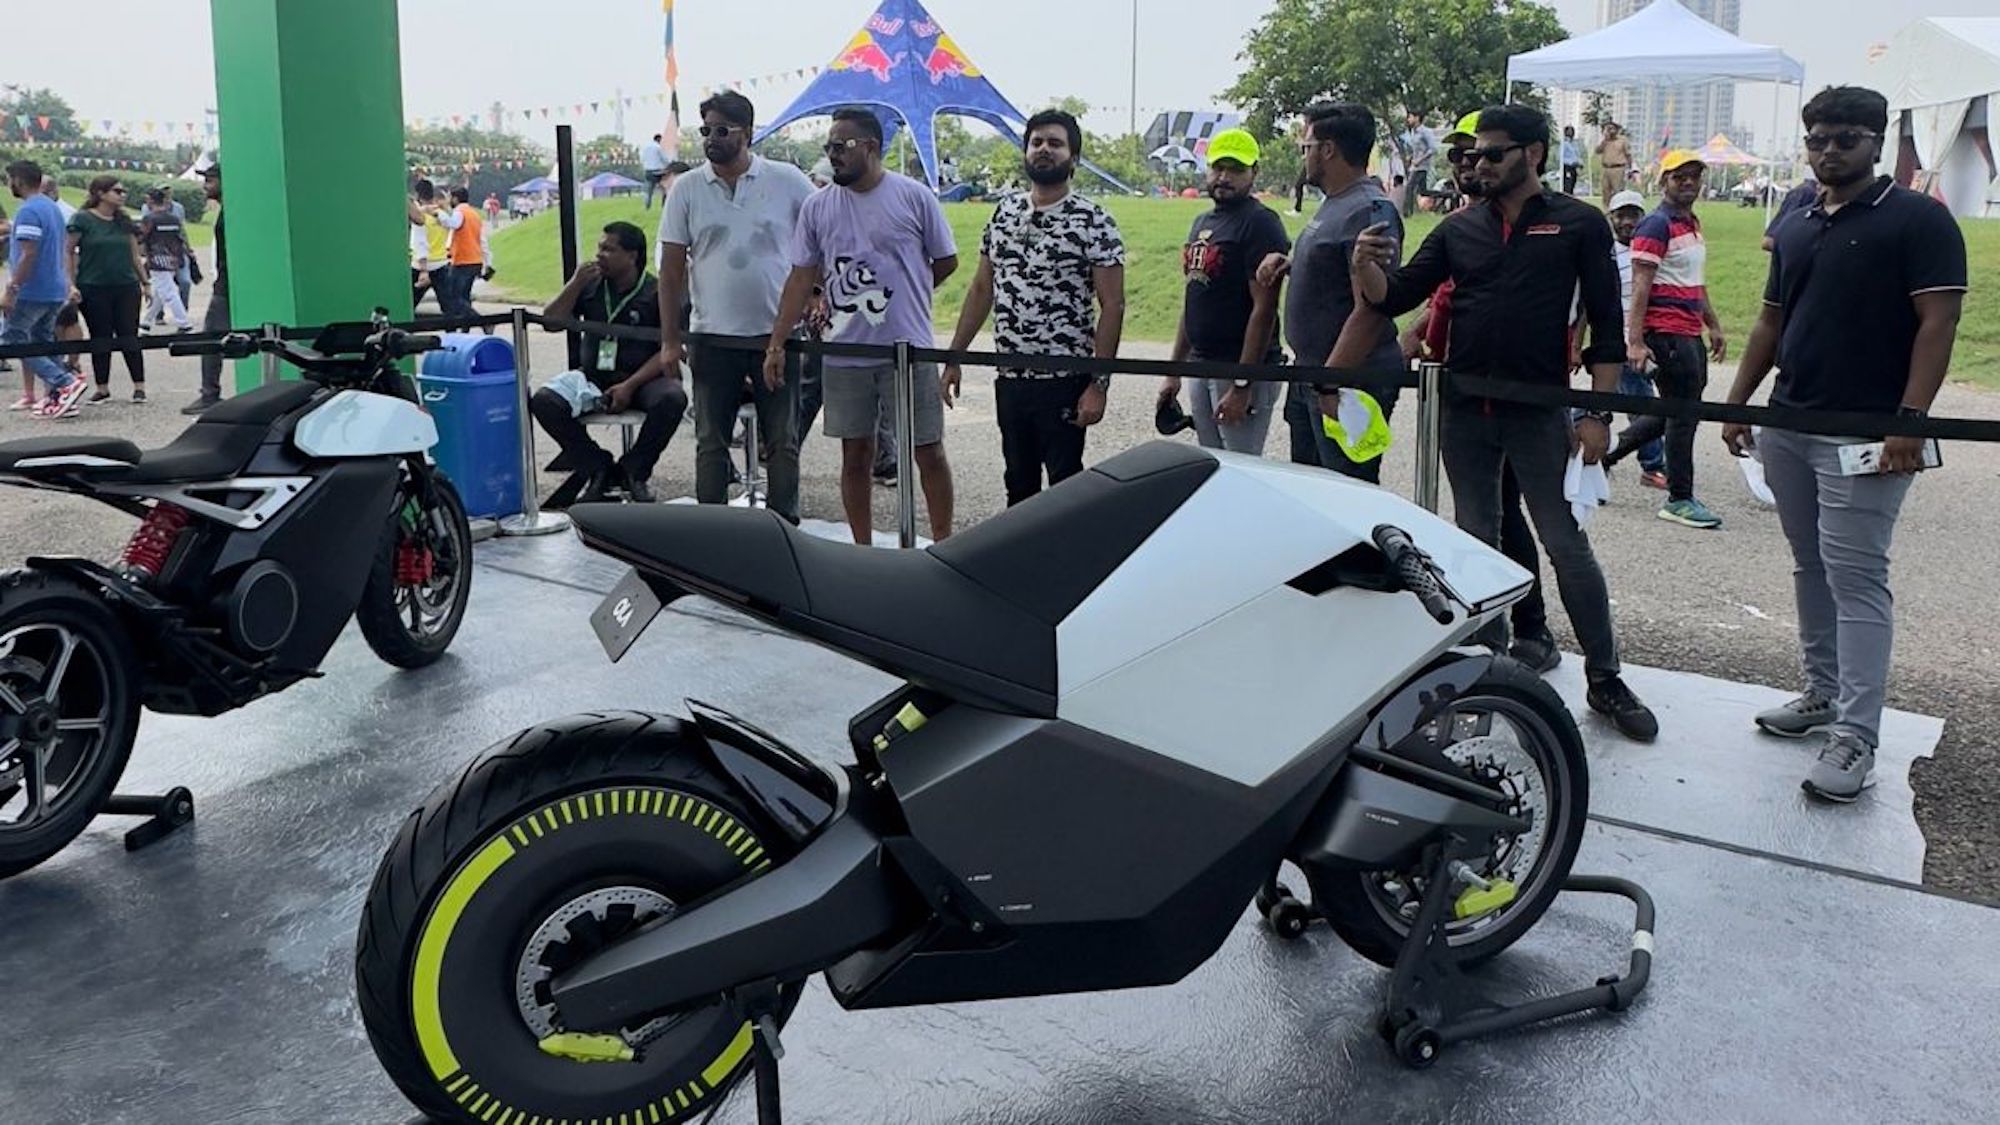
[1246, 436]
[1839, 528]
[215, 320]
[1534, 441]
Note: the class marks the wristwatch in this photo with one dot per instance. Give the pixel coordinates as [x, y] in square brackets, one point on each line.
[1912, 412]
[1242, 384]
[1603, 416]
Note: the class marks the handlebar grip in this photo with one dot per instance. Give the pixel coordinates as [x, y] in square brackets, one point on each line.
[1413, 571]
[414, 345]
[214, 348]
[236, 345]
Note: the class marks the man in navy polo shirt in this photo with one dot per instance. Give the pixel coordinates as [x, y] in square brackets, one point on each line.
[1860, 313]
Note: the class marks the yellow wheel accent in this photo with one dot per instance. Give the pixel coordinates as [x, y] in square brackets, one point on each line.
[426, 1007]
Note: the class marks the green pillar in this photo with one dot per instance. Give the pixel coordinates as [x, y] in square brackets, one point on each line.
[310, 104]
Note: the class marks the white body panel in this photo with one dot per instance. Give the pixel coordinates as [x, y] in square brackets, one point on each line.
[361, 424]
[1197, 649]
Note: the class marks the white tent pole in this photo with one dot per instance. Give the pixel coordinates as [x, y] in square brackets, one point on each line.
[1770, 188]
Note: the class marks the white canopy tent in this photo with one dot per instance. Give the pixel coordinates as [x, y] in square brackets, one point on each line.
[1942, 79]
[1662, 44]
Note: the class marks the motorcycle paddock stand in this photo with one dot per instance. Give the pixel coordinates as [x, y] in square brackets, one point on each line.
[163, 814]
[1427, 982]
[760, 1004]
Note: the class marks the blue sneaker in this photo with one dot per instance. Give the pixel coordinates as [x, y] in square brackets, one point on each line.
[1691, 513]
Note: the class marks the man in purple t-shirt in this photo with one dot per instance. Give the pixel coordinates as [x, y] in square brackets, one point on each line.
[880, 244]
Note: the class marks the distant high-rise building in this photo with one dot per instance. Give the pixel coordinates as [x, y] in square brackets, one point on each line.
[1683, 116]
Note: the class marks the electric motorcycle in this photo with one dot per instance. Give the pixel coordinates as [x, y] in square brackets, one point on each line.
[1126, 703]
[264, 527]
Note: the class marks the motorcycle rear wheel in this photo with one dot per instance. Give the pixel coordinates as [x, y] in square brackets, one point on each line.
[411, 624]
[552, 844]
[1514, 732]
[69, 712]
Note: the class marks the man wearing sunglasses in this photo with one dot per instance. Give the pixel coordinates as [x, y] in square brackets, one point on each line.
[880, 245]
[725, 232]
[1518, 260]
[1860, 313]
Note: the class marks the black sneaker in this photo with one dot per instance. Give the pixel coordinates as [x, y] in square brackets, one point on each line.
[99, 396]
[1612, 699]
[886, 475]
[1538, 651]
[138, 394]
[201, 406]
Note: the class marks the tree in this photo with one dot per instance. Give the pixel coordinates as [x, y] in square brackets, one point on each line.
[38, 114]
[1597, 110]
[1436, 58]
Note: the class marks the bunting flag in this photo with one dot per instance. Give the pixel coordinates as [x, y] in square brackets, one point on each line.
[670, 138]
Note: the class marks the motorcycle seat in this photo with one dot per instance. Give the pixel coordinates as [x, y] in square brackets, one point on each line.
[974, 616]
[214, 448]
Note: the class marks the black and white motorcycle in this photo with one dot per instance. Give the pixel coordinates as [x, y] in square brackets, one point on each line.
[1126, 704]
[263, 528]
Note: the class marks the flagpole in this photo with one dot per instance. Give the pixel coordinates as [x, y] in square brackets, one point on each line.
[1138, 145]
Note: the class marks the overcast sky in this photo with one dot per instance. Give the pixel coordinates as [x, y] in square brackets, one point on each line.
[153, 61]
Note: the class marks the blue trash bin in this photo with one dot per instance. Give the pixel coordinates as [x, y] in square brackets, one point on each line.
[469, 388]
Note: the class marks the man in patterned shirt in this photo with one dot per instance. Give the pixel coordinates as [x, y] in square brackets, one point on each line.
[1047, 257]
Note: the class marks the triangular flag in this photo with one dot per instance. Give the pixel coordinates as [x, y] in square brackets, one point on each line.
[43, 121]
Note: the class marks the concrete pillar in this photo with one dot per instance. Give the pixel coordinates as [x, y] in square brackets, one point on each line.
[310, 100]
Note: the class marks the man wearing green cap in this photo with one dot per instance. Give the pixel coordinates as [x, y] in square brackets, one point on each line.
[1226, 316]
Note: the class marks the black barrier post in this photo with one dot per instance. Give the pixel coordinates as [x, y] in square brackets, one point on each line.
[567, 222]
[532, 520]
[906, 457]
[1430, 417]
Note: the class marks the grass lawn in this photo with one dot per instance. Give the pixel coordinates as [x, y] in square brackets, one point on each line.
[527, 257]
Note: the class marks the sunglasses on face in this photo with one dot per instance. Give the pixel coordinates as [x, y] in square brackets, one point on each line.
[722, 131]
[1845, 140]
[1490, 155]
[842, 146]
[1461, 157]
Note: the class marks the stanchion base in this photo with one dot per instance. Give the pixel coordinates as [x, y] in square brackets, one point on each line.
[483, 529]
[542, 523]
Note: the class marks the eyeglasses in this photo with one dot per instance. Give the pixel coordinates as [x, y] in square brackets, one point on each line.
[722, 130]
[1461, 157]
[832, 147]
[1845, 140]
[1490, 155]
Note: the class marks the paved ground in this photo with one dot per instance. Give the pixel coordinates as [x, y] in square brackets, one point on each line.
[209, 979]
[1718, 603]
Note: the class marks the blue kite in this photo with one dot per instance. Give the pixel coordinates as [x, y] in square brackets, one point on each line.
[903, 66]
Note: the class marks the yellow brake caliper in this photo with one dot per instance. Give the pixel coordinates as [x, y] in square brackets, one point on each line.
[578, 1047]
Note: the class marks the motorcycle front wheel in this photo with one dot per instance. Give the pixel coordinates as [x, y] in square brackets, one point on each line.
[1510, 731]
[422, 576]
[69, 711]
[550, 846]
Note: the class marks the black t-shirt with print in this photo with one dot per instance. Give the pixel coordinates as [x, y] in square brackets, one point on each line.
[1220, 262]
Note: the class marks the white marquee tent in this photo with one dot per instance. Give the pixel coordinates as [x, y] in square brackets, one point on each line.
[1942, 78]
[1662, 44]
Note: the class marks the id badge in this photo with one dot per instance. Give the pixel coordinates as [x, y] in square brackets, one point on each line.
[607, 355]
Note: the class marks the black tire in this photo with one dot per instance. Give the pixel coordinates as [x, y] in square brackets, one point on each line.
[1356, 905]
[618, 804]
[99, 681]
[411, 626]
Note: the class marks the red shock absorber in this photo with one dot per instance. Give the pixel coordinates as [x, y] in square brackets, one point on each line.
[153, 543]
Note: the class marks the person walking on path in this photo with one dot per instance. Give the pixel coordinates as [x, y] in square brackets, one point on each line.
[653, 162]
[1861, 311]
[1627, 208]
[37, 287]
[1510, 321]
[725, 231]
[1052, 276]
[216, 319]
[163, 241]
[1614, 157]
[1572, 160]
[1668, 310]
[879, 243]
[1421, 142]
[1226, 317]
[105, 272]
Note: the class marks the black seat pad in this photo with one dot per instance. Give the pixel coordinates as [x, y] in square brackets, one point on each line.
[977, 613]
[225, 439]
[58, 445]
[903, 611]
[262, 406]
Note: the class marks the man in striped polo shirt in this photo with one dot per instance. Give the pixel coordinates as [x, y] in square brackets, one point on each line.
[1664, 326]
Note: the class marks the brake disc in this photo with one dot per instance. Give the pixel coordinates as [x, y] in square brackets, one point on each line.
[577, 929]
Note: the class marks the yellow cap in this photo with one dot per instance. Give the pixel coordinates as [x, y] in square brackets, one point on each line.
[1467, 127]
[1235, 144]
[1680, 158]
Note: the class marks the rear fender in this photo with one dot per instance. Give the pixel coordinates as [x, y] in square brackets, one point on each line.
[796, 795]
[125, 595]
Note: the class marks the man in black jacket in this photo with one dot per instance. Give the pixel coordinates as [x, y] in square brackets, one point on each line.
[1517, 261]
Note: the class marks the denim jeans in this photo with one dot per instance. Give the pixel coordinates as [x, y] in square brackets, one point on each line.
[1680, 371]
[1652, 455]
[34, 322]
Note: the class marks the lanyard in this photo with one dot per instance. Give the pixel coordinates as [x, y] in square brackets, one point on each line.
[611, 315]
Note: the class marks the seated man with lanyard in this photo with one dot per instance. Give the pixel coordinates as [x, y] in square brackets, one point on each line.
[617, 374]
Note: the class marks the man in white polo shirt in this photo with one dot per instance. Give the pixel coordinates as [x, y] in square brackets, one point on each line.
[725, 234]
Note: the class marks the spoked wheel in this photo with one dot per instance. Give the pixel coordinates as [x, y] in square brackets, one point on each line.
[1511, 732]
[553, 845]
[416, 595]
[69, 710]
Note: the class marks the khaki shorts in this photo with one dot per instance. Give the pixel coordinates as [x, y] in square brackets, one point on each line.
[855, 397]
